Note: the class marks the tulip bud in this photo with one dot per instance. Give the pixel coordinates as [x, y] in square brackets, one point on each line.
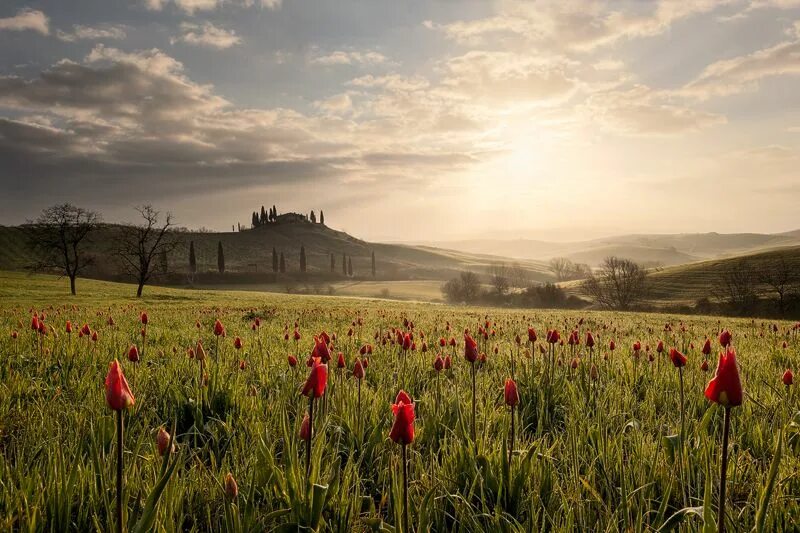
[305, 429]
[231, 488]
[162, 440]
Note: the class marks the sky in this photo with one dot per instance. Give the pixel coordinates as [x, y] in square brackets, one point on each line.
[408, 121]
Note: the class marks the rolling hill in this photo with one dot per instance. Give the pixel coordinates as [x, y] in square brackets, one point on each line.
[248, 255]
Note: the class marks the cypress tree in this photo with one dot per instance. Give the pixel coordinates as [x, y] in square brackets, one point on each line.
[313, 217]
[283, 264]
[321, 217]
[333, 263]
[373, 263]
[350, 266]
[263, 215]
[220, 258]
[302, 259]
[274, 213]
[274, 260]
[192, 258]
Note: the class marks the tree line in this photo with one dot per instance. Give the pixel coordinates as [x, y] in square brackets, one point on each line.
[270, 216]
[61, 238]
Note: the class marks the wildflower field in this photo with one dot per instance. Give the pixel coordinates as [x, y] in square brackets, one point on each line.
[234, 419]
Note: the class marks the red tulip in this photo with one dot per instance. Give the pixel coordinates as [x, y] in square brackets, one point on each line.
[133, 355]
[707, 347]
[438, 363]
[296, 335]
[470, 348]
[788, 377]
[219, 329]
[14, 334]
[403, 428]
[553, 336]
[305, 428]
[358, 369]
[85, 330]
[531, 335]
[35, 323]
[589, 339]
[162, 441]
[677, 358]
[660, 347]
[118, 393]
[510, 393]
[447, 362]
[725, 388]
[704, 366]
[292, 361]
[68, 327]
[612, 345]
[317, 380]
[231, 488]
[340, 361]
[144, 318]
[406, 342]
[725, 338]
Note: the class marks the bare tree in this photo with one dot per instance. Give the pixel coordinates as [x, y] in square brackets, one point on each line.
[562, 268]
[465, 288]
[58, 238]
[782, 279]
[619, 284]
[737, 286]
[138, 245]
[518, 276]
[499, 276]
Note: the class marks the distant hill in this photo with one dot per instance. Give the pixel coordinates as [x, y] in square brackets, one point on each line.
[666, 249]
[250, 252]
[688, 283]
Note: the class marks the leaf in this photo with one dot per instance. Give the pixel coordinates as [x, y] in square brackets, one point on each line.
[766, 494]
[671, 444]
[679, 516]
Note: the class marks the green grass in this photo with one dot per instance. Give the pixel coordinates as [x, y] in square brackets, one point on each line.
[589, 456]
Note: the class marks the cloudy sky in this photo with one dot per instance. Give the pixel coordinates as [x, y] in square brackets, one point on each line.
[408, 120]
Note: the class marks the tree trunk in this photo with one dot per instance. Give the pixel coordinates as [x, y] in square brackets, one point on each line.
[139, 289]
[72, 284]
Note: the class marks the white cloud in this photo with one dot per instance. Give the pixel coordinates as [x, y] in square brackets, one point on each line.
[350, 57]
[27, 19]
[339, 103]
[80, 32]
[208, 35]
[190, 7]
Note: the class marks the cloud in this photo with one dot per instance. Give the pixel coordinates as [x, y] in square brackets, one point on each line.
[27, 19]
[742, 73]
[207, 35]
[644, 111]
[190, 7]
[339, 103]
[351, 57]
[80, 32]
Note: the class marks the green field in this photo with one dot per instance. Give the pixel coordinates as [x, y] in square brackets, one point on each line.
[588, 455]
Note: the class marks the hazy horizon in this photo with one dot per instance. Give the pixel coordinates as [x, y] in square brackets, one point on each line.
[407, 122]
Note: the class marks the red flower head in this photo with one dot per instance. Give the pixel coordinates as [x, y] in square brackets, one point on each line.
[118, 393]
[144, 318]
[452, 341]
[406, 342]
[14, 334]
[358, 369]
[321, 350]
[365, 362]
[612, 345]
[219, 329]
[574, 363]
[403, 428]
[325, 337]
[438, 363]
[340, 361]
[677, 358]
[305, 428]
[68, 327]
[162, 441]
[660, 346]
[35, 323]
[704, 366]
[637, 346]
[424, 347]
[725, 338]
[510, 393]
[589, 339]
[292, 361]
[442, 342]
[470, 348]
[200, 352]
[447, 362]
[363, 350]
[788, 377]
[707, 347]
[296, 335]
[317, 380]
[85, 330]
[133, 354]
[531, 335]
[725, 388]
[237, 343]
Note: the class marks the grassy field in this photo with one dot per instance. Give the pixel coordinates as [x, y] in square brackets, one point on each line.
[589, 454]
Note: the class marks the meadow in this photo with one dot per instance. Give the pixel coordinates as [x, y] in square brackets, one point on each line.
[597, 444]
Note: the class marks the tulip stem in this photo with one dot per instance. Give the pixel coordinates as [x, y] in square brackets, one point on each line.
[120, 429]
[474, 407]
[683, 435]
[723, 470]
[511, 438]
[405, 490]
[310, 434]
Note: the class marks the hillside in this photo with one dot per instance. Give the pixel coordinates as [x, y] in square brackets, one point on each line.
[688, 283]
[666, 249]
[248, 255]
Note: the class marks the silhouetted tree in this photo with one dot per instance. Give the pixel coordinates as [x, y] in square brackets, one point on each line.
[263, 218]
[220, 258]
[138, 245]
[465, 288]
[274, 213]
[313, 217]
[781, 279]
[737, 287]
[619, 284]
[302, 259]
[58, 238]
[350, 266]
[274, 260]
[333, 263]
[192, 258]
[499, 274]
[283, 264]
[373, 263]
[321, 217]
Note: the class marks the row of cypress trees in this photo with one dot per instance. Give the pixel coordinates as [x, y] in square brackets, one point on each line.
[279, 262]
